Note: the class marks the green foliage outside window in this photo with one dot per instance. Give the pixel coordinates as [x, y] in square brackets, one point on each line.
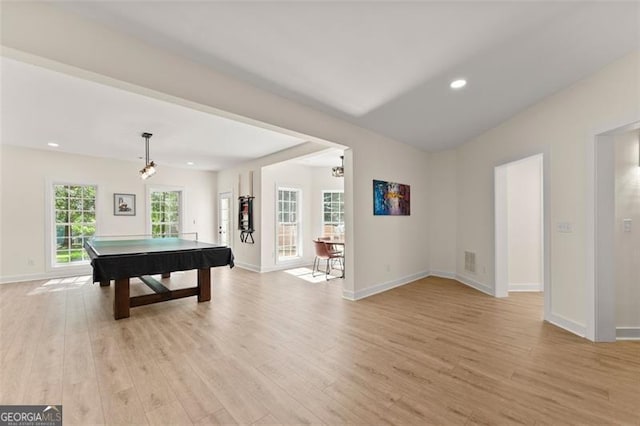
[333, 213]
[165, 214]
[75, 221]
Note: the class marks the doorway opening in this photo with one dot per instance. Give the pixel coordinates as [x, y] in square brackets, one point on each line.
[520, 227]
[612, 298]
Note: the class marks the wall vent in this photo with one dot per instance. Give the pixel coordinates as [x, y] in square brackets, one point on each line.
[470, 261]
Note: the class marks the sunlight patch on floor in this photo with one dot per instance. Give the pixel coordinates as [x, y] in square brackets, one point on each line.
[307, 275]
[61, 284]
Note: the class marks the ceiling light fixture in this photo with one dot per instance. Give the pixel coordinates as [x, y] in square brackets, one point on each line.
[53, 144]
[338, 171]
[190, 163]
[458, 84]
[149, 168]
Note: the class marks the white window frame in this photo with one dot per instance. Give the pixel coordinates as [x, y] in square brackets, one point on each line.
[232, 229]
[166, 188]
[330, 191]
[81, 267]
[300, 252]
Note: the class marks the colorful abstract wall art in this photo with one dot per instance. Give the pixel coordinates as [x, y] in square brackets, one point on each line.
[391, 199]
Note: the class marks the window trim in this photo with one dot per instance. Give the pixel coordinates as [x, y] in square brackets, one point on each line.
[50, 226]
[149, 188]
[324, 191]
[232, 225]
[289, 259]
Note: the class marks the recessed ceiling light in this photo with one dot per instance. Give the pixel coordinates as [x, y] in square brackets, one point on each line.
[190, 163]
[458, 84]
[53, 144]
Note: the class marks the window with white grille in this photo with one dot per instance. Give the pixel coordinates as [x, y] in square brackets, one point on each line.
[333, 213]
[165, 213]
[288, 224]
[74, 211]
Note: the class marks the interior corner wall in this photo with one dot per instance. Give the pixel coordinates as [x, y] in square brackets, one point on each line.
[442, 213]
[390, 250]
[236, 181]
[562, 125]
[627, 243]
[24, 175]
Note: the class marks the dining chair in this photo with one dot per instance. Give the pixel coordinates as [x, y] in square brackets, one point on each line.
[325, 252]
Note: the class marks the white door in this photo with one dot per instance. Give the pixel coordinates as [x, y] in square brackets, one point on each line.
[224, 219]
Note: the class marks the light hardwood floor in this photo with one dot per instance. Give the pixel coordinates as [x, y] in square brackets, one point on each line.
[273, 348]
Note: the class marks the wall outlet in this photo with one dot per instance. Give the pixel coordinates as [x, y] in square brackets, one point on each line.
[30, 262]
[565, 227]
[388, 267]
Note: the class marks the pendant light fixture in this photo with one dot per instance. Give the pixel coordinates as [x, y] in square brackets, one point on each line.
[338, 171]
[149, 168]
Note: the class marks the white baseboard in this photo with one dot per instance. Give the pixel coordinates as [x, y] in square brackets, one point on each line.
[60, 273]
[349, 295]
[475, 284]
[525, 287]
[567, 324]
[379, 288]
[247, 266]
[443, 274]
[627, 333]
[280, 267]
[298, 263]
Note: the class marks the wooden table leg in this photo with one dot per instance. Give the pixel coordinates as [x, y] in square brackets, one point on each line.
[204, 285]
[166, 275]
[121, 299]
[105, 283]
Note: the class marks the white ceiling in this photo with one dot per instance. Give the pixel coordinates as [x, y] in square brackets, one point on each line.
[40, 106]
[386, 65]
[327, 158]
[382, 65]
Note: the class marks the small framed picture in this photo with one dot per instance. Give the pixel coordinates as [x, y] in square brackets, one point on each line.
[124, 204]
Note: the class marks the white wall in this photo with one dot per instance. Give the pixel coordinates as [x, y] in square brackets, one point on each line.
[286, 175]
[389, 250]
[443, 213]
[524, 224]
[249, 256]
[562, 125]
[311, 181]
[236, 181]
[25, 175]
[627, 244]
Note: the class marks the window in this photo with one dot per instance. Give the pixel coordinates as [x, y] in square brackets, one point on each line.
[288, 226]
[75, 220]
[333, 213]
[165, 213]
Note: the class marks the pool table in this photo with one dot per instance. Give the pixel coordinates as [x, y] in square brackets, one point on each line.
[120, 259]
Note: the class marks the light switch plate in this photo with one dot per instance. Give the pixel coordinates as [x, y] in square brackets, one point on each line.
[626, 225]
